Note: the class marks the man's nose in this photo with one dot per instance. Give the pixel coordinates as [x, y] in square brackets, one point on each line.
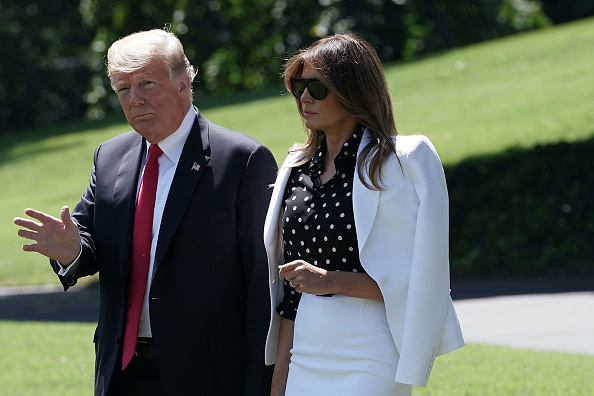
[136, 96]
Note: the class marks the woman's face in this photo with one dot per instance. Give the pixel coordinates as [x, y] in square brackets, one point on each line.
[325, 114]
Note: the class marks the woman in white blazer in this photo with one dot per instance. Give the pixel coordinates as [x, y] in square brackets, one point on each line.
[357, 238]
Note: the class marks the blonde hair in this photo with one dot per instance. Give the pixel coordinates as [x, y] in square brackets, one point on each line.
[349, 66]
[137, 50]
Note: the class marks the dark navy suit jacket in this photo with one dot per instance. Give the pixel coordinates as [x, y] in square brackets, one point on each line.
[209, 300]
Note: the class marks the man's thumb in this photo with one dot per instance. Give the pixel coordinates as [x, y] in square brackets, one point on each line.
[65, 216]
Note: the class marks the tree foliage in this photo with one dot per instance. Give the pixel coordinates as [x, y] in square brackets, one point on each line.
[52, 52]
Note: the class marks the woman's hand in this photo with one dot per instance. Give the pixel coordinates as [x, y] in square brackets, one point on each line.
[305, 277]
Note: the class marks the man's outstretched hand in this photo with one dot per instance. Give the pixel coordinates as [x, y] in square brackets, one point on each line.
[55, 238]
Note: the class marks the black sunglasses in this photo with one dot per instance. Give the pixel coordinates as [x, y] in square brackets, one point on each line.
[315, 87]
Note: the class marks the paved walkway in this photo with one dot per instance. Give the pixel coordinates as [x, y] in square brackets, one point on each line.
[553, 322]
[544, 314]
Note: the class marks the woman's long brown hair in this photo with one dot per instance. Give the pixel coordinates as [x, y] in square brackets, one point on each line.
[349, 66]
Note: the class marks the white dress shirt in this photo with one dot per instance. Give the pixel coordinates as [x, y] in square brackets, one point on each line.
[172, 147]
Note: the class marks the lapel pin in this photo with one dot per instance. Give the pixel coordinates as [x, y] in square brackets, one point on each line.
[195, 167]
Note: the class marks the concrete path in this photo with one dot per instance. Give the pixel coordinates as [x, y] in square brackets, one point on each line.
[553, 322]
[545, 314]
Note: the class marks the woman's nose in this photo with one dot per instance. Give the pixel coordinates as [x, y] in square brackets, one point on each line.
[305, 96]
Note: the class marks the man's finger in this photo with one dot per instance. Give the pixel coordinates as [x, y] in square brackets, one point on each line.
[30, 224]
[42, 217]
[28, 234]
[65, 216]
[32, 247]
[69, 224]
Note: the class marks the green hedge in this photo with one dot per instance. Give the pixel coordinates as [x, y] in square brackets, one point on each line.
[524, 212]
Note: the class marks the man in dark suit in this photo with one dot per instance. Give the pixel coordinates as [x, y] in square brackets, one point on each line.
[185, 279]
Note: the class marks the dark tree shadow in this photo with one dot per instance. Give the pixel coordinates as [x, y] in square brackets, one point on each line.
[80, 304]
[525, 212]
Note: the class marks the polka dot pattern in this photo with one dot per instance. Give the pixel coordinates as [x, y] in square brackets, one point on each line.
[318, 222]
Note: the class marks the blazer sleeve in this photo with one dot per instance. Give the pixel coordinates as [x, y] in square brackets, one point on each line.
[428, 291]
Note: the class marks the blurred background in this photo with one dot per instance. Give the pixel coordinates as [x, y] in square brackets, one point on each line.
[52, 51]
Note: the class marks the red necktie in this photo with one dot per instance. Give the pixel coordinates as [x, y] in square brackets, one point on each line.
[141, 249]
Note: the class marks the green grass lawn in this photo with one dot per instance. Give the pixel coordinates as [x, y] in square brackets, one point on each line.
[46, 358]
[515, 92]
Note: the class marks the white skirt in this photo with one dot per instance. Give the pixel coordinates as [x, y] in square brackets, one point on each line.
[343, 346]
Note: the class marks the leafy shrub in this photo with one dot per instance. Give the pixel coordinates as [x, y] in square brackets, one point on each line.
[53, 52]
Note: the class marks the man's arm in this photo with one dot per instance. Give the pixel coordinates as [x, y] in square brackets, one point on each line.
[252, 204]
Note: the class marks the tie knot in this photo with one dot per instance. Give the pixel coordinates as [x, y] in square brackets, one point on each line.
[155, 151]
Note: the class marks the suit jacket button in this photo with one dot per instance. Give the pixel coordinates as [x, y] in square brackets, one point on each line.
[385, 281]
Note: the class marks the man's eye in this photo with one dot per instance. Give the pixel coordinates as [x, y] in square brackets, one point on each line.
[122, 90]
[148, 83]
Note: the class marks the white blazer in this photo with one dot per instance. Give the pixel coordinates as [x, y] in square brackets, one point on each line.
[402, 233]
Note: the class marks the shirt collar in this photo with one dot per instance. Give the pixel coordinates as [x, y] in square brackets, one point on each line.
[317, 159]
[173, 144]
[350, 147]
[346, 156]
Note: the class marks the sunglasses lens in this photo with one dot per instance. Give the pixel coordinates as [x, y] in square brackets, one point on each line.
[315, 87]
[298, 88]
[317, 90]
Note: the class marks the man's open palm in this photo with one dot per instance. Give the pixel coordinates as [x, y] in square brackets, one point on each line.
[55, 238]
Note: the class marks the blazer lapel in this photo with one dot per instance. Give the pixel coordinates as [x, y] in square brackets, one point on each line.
[124, 198]
[187, 175]
[365, 202]
[276, 201]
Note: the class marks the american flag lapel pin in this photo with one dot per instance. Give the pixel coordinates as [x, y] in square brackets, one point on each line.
[195, 167]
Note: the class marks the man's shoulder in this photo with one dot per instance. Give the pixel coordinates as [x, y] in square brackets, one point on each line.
[229, 139]
[118, 145]
[123, 138]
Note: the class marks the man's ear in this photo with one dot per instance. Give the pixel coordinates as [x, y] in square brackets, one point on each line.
[182, 85]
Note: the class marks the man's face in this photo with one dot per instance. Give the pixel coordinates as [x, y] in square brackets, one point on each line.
[154, 105]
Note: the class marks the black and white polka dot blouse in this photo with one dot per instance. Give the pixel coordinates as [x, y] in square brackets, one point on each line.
[318, 221]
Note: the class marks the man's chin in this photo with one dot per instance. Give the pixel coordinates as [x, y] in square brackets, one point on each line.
[145, 130]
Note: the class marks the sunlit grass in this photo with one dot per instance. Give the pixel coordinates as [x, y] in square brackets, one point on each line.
[480, 370]
[47, 358]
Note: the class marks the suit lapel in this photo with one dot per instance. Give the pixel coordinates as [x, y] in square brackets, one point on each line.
[365, 202]
[187, 175]
[124, 198]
